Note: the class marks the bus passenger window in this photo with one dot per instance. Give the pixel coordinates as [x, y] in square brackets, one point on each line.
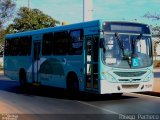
[76, 42]
[15, 47]
[7, 47]
[47, 46]
[18, 46]
[24, 46]
[60, 43]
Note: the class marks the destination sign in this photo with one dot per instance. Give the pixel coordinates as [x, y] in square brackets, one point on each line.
[126, 27]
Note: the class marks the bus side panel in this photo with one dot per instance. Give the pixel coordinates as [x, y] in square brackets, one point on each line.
[13, 64]
[54, 70]
[51, 72]
[75, 64]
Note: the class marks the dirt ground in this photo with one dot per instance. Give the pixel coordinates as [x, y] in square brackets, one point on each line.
[156, 85]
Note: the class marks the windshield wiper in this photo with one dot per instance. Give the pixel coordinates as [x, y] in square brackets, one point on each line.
[125, 57]
[119, 42]
[138, 38]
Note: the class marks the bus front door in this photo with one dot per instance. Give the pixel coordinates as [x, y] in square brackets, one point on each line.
[36, 58]
[92, 62]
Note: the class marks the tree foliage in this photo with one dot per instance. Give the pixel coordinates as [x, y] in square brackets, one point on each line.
[6, 11]
[31, 19]
[155, 29]
[2, 36]
[152, 16]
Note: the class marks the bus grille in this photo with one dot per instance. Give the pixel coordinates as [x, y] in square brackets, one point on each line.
[134, 86]
[129, 80]
[130, 74]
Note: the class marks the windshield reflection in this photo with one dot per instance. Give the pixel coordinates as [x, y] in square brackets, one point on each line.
[129, 51]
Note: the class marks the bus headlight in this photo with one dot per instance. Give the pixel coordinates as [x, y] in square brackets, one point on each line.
[108, 77]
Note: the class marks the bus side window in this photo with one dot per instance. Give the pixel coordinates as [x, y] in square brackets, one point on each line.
[61, 43]
[47, 46]
[15, 46]
[76, 42]
[7, 47]
[29, 45]
[26, 46]
[23, 46]
[18, 46]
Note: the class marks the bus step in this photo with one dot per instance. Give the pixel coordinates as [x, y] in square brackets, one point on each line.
[36, 84]
[91, 90]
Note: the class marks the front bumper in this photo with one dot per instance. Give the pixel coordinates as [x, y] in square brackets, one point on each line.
[108, 87]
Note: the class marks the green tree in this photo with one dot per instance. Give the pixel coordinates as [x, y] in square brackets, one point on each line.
[156, 16]
[31, 19]
[152, 16]
[2, 36]
[156, 30]
[6, 11]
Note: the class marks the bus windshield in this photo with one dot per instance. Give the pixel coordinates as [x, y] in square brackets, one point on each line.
[129, 51]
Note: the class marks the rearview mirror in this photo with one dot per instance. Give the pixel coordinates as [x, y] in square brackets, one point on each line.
[116, 35]
[101, 44]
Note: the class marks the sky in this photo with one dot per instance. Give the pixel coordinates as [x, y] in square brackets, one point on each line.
[71, 11]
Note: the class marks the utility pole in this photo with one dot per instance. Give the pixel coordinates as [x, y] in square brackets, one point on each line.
[87, 10]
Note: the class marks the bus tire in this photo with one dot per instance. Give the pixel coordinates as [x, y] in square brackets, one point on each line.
[72, 86]
[22, 78]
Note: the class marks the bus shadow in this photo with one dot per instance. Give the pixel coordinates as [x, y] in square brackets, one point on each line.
[30, 90]
[58, 93]
[91, 97]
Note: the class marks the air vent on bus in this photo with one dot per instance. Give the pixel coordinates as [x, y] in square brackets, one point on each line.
[134, 86]
[129, 80]
[130, 74]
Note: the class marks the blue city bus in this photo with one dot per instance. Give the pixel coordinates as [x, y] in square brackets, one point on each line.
[103, 57]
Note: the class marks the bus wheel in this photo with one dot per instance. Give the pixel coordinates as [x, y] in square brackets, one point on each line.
[72, 86]
[22, 78]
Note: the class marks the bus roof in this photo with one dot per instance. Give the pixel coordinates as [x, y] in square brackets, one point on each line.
[66, 27]
[57, 28]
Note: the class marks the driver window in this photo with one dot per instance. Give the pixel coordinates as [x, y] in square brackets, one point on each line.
[127, 45]
[109, 44]
[111, 48]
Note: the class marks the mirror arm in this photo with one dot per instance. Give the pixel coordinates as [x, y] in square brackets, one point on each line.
[101, 42]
